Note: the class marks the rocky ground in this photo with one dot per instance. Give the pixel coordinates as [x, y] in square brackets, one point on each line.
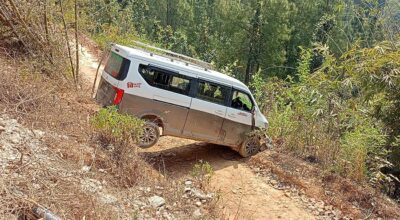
[29, 167]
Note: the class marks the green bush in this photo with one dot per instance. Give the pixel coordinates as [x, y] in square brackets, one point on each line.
[118, 127]
[202, 171]
[119, 132]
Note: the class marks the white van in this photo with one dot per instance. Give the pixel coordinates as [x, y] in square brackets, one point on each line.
[181, 99]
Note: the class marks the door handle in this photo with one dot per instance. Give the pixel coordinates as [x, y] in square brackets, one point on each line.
[231, 115]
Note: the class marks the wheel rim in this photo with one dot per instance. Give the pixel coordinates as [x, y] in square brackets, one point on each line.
[252, 146]
[149, 136]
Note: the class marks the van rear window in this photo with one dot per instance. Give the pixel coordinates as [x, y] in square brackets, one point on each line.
[117, 66]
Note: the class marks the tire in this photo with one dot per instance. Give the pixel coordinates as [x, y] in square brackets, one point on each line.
[151, 134]
[250, 147]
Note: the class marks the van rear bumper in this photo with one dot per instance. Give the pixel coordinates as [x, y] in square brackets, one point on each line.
[105, 93]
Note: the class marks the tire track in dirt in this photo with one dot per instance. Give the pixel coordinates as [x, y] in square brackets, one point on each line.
[243, 195]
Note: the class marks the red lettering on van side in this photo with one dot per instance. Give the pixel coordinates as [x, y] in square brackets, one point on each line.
[133, 85]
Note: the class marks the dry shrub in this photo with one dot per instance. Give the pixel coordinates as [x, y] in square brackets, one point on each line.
[32, 28]
[118, 134]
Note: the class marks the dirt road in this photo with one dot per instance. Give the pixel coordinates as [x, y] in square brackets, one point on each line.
[244, 195]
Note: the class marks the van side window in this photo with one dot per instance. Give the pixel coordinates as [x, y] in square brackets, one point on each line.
[212, 92]
[159, 78]
[241, 101]
[117, 66]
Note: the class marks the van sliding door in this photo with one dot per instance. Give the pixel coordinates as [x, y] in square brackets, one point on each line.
[207, 111]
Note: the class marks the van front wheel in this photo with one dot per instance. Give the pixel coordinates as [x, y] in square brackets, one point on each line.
[250, 147]
[150, 136]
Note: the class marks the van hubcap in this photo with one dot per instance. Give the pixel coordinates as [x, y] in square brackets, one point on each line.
[252, 146]
[149, 136]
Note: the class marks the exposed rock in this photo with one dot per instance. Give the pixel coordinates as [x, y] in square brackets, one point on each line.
[188, 182]
[200, 195]
[156, 201]
[86, 168]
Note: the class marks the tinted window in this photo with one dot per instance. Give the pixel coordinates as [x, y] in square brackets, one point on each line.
[165, 79]
[241, 101]
[212, 92]
[117, 66]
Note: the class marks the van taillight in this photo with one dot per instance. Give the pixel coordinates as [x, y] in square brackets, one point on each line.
[118, 95]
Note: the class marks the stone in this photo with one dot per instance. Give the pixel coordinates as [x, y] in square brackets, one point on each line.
[273, 182]
[200, 195]
[197, 214]
[156, 201]
[188, 182]
[187, 189]
[198, 203]
[15, 139]
[86, 168]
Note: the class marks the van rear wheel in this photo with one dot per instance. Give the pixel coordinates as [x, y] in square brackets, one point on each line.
[250, 147]
[150, 136]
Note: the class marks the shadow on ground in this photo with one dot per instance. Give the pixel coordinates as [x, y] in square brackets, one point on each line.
[177, 161]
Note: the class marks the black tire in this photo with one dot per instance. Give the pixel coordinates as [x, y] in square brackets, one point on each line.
[250, 147]
[151, 134]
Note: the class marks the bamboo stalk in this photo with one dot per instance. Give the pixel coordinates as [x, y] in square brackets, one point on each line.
[76, 43]
[67, 40]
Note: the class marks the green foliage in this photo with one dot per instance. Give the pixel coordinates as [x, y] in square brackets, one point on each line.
[116, 126]
[202, 171]
[341, 115]
[255, 36]
[357, 145]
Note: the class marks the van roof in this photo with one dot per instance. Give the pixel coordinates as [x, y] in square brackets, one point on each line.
[177, 64]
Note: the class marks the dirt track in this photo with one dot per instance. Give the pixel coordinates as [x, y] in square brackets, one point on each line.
[244, 195]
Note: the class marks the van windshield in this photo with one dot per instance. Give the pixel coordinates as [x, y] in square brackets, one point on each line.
[117, 66]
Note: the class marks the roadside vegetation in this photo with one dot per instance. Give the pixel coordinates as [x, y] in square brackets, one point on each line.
[325, 73]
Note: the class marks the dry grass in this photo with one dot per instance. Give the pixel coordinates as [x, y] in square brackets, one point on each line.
[52, 177]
